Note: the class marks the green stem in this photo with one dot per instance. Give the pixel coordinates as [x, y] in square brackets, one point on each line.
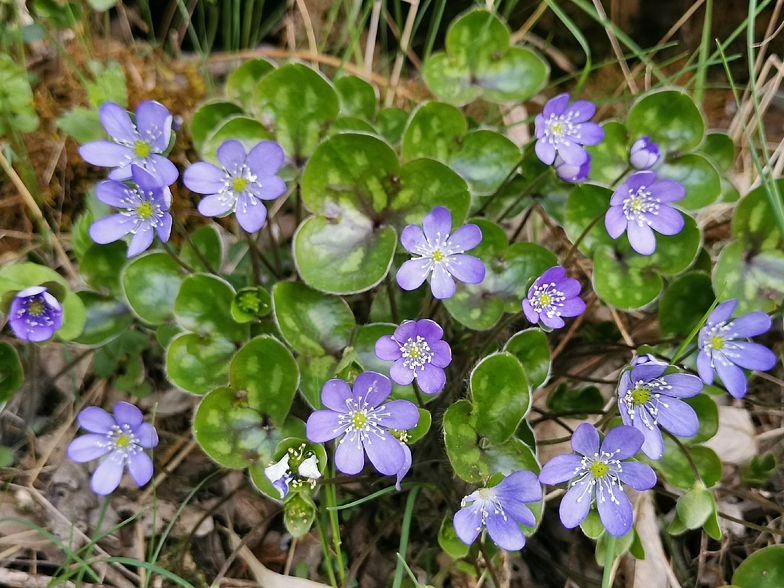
[325, 548]
[182, 263]
[183, 231]
[685, 451]
[702, 63]
[489, 563]
[404, 532]
[609, 557]
[334, 523]
[528, 189]
[392, 300]
[582, 236]
[418, 394]
[507, 179]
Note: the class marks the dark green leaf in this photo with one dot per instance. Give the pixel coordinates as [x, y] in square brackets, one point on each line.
[151, 283]
[11, 372]
[670, 117]
[500, 395]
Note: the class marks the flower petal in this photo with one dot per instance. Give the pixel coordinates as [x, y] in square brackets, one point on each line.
[231, 155]
[127, 414]
[705, 368]
[666, 190]
[406, 331]
[750, 325]
[87, 448]
[466, 268]
[639, 476]
[401, 473]
[429, 330]
[465, 238]
[641, 238]
[639, 179]
[722, 312]
[217, 204]
[413, 273]
[590, 133]
[349, 455]
[505, 532]
[371, 388]
[545, 151]
[154, 121]
[385, 452]
[437, 225]
[106, 154]
[552, 322]
[140, 468]
[560, 469]
[442, 354]
[431, 379]
[733, 378]
[204, 178]
[115, 194]
[141, 240]
[163, 228]
[678, 418]
[530, 313]
[265, 159]
[271, 187]
[653, 447]
[572, 307]
[323, 426]
[556, 105]
[570, 287]
[615, 221]
[615, 509]
[441, 283]
[163, 169]
[401, 373]
[112, 228]
[468, 523]
[580, 111]
[335, 394]
[571, 152]
[622, 442]
[666, 221]
[683, 385]
[146, 434]
[522, 486]
[585, 439]
[387, 349]
[413, 239]
[250, 212]
[576, 503]
[107, 475]
[648, 371]
[96, 420]
[398, 414]
[751, 356]
[552, 275]
[117, 122]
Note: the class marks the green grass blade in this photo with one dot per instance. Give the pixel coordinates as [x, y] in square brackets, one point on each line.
[580, 38]
[404, 533]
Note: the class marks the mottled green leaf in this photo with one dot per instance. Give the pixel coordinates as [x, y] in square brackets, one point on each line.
[11, 372]
[242, 82]
[199, 364]
[500, 395]
[610, 158]
[757, 281]
[684, 304]
[670, 117]
[754, 224]
[207, 240]
[708, 414]
[357, 97]
[203, 306]
[245, 129]
[103, 318]
[151, 283]
[718, 145]
[208, 116]
[532, 351]
[762, 569]
[676, 468]
[102, 264]
[695, 173]
[586, 203]
[391, 122]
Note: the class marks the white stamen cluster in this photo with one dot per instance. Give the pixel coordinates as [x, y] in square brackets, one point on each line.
[716, 339]
[304, 462]
[600, 470]
[484, 501]
[648, 396]
[142, 207]
[362, 420]
[32, 316]
[239, 176]
[547, 299]
[559, 127]
[638, 204]
[439, 251]
[416, 353]
[122, 443]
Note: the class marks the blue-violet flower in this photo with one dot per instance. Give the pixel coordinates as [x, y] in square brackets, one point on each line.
[641, 206]
[418, 352]
[440, 254]
[240, 184]
[145, 212]
[647, 400]
[500, 508]
[365, 420]
[599, 473]
[34, 314]
[123, 437]
[723, 347]
[644, 153]
[572, 173]
[564, 128]
[551, 296]
[140, 144]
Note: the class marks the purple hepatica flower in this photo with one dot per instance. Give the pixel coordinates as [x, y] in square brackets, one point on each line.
[552, 296]
[644, 154]
[296, 468]
[501, 508]
[641, 206]
[599, 474]
[401, 473]
[440, 254]
[647, 399]
[418, 352]
[35, 314]
[123, 437]
[721, 350]
[646, 359]
[572, 173]
[145, 212]
[564, 128]
[140, 144]
[240, 184]
[365, 421]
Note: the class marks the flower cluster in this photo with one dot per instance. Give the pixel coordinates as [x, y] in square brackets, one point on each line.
[122, 438]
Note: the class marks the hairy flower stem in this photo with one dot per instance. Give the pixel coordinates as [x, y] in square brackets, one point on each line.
[528, 189]
[332, 501]
[609, 557]
[687, 453]
[582, 236]
[256, 250]
[182, 263]
[523, 222]
[489, 564]
[254, 258]
[418, 394]
[182, 231]
[392, 300]
[507, 179]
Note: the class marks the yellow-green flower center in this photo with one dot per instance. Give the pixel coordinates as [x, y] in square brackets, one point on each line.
[249, 302]
[545, 299]
[557, 129]
[598, 469]
[358, 420]
[641, 396]
[36, 308]
[122, 441]
[144, 211]
[239, 184]
[141, 149]
[717, 343]
[438, 255]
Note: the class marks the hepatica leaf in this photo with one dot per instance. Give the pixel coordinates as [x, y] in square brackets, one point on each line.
[242, 82]
[670, 117]
[479, 62]
[362, 198]
[500, 395]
